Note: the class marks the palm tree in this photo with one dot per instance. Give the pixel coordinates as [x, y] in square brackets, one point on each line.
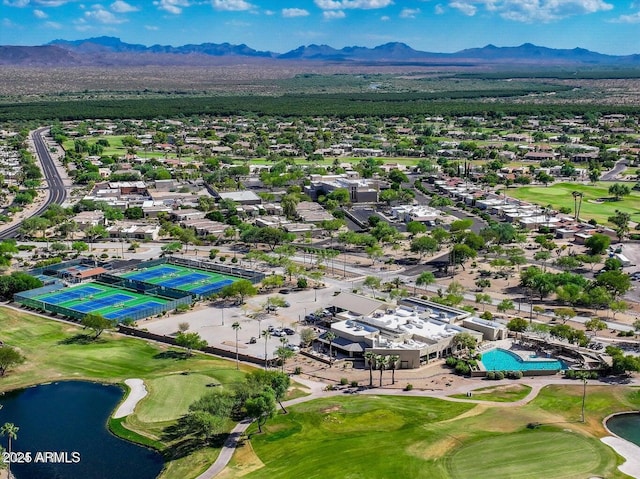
[424, 279]
[236, 327]
[381, 362]
[577, 205]
[266, 334]
[11, 431]
[370, 357]
[393, 362]
[330, 336]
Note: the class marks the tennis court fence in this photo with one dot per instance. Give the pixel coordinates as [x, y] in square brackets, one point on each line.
[253, 276]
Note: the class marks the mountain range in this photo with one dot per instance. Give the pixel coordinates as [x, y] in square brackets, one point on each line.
[106, 51]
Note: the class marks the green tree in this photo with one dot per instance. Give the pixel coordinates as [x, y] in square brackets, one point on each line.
[424, 279]
[416, 227]
[393, 364]
[372, 282]
[621, 222]
[595, 325]
[266, 334]
[597, 244]
[381, 363]
[330, 336]
[460, 253]
[565, 314]
[518, 325]
[618, 190]
[370, 358]
[9, 430]
[190, 341]
[204, 425]
[505, 305]
[615, 282]
[97, 323]
[423, 245]
[464, 342]
[261, 407]
[241, 288]
[9, 357]
[483, 298]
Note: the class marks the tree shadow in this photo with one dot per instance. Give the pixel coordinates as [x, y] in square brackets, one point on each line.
[80, 339]
[185, 444]
[171, 354]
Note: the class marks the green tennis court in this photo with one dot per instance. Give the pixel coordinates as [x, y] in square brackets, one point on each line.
[197, 281]
[112, 303]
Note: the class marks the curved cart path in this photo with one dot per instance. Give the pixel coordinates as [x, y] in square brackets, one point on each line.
[318, 391]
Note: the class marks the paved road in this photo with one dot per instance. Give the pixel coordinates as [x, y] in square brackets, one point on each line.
[618, 168]
[57, 192]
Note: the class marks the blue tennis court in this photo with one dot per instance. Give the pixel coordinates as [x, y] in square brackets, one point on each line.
[211, 288]
[75, 293]
[196, 281]
[182, 280]
[151, 273]
[94, 304]
[128, 312]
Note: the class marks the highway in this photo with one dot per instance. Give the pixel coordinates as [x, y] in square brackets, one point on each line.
[56, 189]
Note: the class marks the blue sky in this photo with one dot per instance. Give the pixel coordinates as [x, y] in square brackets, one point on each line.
[606, 26]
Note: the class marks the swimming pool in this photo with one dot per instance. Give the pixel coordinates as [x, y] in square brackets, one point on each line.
[503, 360]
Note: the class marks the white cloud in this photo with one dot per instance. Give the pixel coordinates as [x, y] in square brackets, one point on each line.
[385, 18]
[172, 6]
[40, 14]
[269, 12]
[352, 4]
[152, 28]
[120, 6]
[232, 5]
[53, 25]
[100, 15]
[409, 12]
[633, 18]
[464, 7]
[333, 14]
[532, 10]
[439, 9]
[294, 12]
[15, 3]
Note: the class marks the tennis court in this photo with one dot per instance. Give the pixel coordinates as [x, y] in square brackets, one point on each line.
[203, 283]
[112, 303]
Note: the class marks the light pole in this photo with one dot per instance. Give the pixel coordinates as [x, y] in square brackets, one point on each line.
[584, 395]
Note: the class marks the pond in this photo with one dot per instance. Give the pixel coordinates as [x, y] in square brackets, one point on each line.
[72, 417]
[627, 426]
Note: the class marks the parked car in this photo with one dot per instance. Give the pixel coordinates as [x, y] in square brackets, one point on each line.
[253, 340]
[293, 347]
[289, 331]
[284, 291]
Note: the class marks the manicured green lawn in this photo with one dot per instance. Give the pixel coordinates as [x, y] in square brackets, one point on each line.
[509, 393]
[170, 396]
[560, 194]
[57, 351]
[528, 455]
[382, 437]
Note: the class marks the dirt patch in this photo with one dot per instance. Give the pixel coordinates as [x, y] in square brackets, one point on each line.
[245, 461]
[331, 409]
[476, 411]
[427, 450]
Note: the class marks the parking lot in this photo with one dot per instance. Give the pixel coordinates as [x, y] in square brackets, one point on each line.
[214, 324]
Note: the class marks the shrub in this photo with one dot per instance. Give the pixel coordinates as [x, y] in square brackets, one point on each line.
[570, 374]
[499, 375]
[408, 387]
[491, 375]
[329, 387]
[594, 375]
[462, 368]
[344, 381]
[355, 384]
[451, 362]
[297, 370]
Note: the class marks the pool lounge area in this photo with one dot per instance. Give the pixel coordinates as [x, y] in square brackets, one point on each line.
[499, 359]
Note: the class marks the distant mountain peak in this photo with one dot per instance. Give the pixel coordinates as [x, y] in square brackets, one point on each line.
[109, 50]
